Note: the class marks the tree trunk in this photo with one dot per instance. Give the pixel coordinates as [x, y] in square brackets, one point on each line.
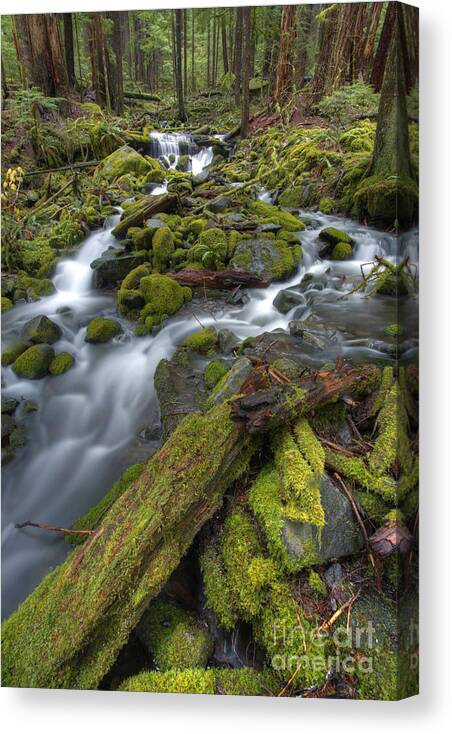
[117, 51]
[246, 48]
[144, 209]
[371, 37]
[284, 71]
[41, 50]
[185, 53]
[224, 44]
[179, 80]
[69, 47]
[304, 26]
[238, 54]
[22, 44]
[193, 81]
[381, 54]
[69, 631]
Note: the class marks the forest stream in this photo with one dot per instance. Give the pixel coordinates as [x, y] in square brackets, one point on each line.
[97, 419]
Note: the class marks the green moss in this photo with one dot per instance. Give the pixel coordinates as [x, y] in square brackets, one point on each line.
[217, 589]
[17, 438]
[203, 341]
[66, 234]
[240, 547]
[12, 351]
[334, 236]
[393, 330]
[342, 251]
[41, 330]
[245, 682]
[35, 287]
[289, 237]
[124, 161]
[392, 444]
[141, 238]
[34, 363]
[214, 371]
[292, 197]
[6, 304]
[163, 297]
[132, 279]
[174, 637]
[162, 248]
[327, 205]
[129, 302]
[62, 363]
[93, 518]
[196, 226]
[317, 584]
[172, 681]
[100, 330]
[387, 200]
[277, 216]
[287, 367]
[355, 469]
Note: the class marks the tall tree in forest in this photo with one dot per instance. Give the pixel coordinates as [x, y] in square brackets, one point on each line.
[179, 79]
[69, 47]
[304, 20]
[117, 39]
[388, 196]
[401, 15]
[285, 68]
[99, 68]
[40, 51]
[238, 53]
[224, 43]
[193, 79]
[246, 52]
[371, 35]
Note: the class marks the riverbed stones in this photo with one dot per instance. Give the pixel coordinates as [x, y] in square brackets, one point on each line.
[110, 269]
[232, 381]
[268, 258]
[62, 363]
[101, 330]
[41, 330]
[339, 537]
[287, 299]
[34, 363]
[330, 238]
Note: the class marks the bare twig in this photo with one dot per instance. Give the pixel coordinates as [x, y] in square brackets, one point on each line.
[41, 526]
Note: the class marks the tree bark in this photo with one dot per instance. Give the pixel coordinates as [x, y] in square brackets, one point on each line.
[41, 50]
[224, 44]
[69, 631]
[69, 47]
[117, 51]
[179, 79]
[246, 48]
[238, 54]
[144, 209]
[284, 71]
[381, 54]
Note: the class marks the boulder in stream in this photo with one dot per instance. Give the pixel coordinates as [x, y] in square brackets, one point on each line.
[268, 258]
[34, 363]
[123, 161]
[110, 269]
[41, 330]
[100, 330]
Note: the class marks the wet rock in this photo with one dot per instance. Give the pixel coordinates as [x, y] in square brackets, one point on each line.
[30, 406]
[9, 405]
[100, 331]
[17, 438]
[340, 536]
[41, 330]
[8, 426]
[180, 387]
[201, 177]
[287, 299]
[110, 270]
[267, 258]
[220, 204]
[34, 363]
[232, 382]
[123, 161]
[330, 237]
[227, 340]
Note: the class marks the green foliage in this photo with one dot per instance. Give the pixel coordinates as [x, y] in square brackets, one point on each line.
[343, 105]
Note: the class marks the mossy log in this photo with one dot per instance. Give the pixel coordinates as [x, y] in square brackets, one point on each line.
[143, 210]
[142, 95]
[223, 279]
[69, 631]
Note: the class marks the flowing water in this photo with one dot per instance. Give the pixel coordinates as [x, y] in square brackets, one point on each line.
[91, 421]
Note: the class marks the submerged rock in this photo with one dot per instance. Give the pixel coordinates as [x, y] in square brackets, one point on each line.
[339, 537]
[287, 299]
[41, 330]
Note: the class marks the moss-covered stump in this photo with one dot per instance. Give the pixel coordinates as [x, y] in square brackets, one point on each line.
[174, 637]
[41, 330]
[220, 681]
[100, 330]
[34, 362]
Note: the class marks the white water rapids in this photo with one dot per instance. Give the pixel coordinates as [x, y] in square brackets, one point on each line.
[88, 426]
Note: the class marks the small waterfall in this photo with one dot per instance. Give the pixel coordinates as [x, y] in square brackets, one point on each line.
[168, 147]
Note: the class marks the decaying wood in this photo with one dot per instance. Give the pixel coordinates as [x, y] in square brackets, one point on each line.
[68, 632]
[145, 209]
[222, 279]
[142, 95]
[391, 538]
[254, 412]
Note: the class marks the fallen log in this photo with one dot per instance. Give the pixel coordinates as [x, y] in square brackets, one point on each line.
[69, 631]
[223, 279]
[142, 210]
[142, 95]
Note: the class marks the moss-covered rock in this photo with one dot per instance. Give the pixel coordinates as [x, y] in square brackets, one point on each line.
[6, 304]
[140, 237]
[273, 214]
[34, 363]
[100, 330]
[332, 236]
[174, 637]
[163, 297]
[34, 288]
[62, 363]
[12, 351]
[342, 251]
[41, 330]
[203, 341]
[268, 258]
[214, 372]
[162, 248]
[124, 160]
[291, 197]
[387, 201]
[172, 681]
